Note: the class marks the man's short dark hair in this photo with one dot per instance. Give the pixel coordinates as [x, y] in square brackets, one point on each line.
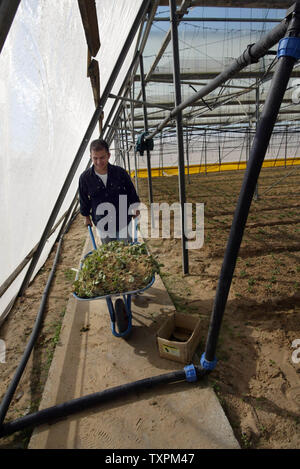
[97, 145]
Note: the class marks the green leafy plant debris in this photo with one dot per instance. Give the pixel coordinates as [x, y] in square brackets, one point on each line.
[115, 267]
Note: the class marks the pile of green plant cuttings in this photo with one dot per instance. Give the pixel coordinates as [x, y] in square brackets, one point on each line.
[115, 267]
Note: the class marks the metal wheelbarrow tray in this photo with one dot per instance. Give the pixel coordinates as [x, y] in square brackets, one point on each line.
[120, 312]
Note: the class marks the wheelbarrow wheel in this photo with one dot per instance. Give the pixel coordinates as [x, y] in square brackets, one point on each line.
[121, 315]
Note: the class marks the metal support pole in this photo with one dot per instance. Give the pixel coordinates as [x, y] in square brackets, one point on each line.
[247, 147]
[94, 121]
[117, 152]
[108, 136]
[205, 153]
[259, 147]
[202, 149]
[176, 77]
[187, 154]
[219, 153]
[126, 141]
[203, 19]
[161, 156]
[133, 139]
[256, 123]
[150, 191]
[285, 149]
[122, 149]
[122, 143]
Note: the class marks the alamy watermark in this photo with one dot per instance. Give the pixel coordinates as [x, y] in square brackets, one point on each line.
[2, 351]
[296, 353]
[296, 91]
[154, 223]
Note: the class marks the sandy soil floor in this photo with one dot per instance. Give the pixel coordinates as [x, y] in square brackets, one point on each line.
[256, 380]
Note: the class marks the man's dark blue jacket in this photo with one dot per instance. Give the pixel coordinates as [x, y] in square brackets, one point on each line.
[93, 192]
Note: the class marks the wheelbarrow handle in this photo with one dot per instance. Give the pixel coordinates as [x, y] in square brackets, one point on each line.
[92, 236]
[135, 233]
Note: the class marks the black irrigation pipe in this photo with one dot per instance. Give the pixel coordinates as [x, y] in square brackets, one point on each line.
[85, 402]
[33, 337]
[259, 147]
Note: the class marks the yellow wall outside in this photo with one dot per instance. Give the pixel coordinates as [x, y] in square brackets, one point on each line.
[196, 169]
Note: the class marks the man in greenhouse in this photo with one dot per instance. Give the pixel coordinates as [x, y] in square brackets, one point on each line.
[105, 194]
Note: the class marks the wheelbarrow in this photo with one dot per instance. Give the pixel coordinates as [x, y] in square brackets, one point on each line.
[120, 312]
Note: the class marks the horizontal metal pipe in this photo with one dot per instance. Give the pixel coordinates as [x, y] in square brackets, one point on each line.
[225, 20]
[135, 101]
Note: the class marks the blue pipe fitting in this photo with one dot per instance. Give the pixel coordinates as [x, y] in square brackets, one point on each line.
[207, 365]
[289, 46]
[190, 373]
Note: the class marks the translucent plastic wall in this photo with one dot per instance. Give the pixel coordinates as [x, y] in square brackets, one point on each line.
[46, 105]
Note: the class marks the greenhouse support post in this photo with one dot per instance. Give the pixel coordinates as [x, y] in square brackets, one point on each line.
[126, 140]
[259, 147]
[113, 108]
[131, 94]
[150, 190]
[179, 129]
[256, 122]
[187, 154]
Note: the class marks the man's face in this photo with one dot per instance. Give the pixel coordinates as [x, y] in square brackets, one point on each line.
[100, 159]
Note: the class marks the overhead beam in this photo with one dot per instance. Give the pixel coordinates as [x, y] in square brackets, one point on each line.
[221, 20]
[89, 18]
[169, 105]
[93, 73]
[168, 78]
[237, 3]
[141, 103]
[210, 115]
[221, 122]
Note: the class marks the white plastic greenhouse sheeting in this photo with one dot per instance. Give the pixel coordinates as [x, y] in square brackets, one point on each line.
[46, 105]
